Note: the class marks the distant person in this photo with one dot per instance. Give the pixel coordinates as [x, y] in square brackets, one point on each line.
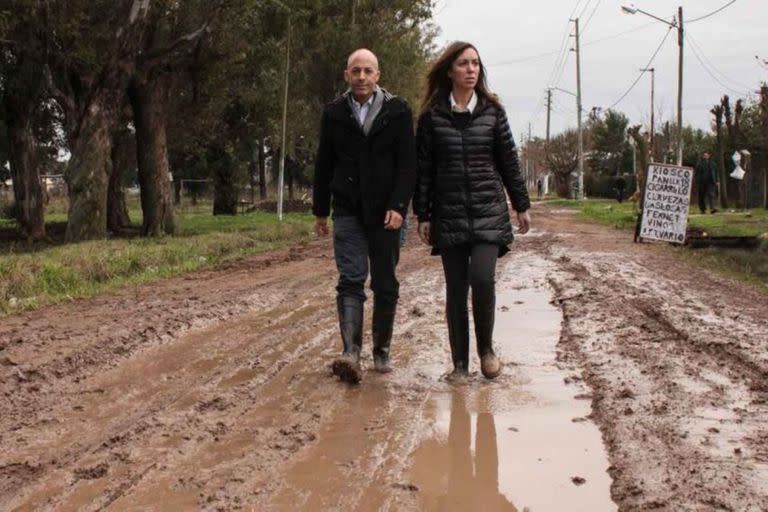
[706, 182]
[466, 159]
[365, 172]
[621, 188]
[539, 188]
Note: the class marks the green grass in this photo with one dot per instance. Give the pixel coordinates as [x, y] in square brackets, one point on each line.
[53, 273]
[750, 266]
[604, 211]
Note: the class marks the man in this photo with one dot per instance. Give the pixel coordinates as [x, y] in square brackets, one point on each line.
[621, 187]
[366, 171]
[706, 181]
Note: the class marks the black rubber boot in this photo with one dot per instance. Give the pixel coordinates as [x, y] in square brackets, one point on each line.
[347, 366]
[484, 312]
[458, 336]
[383, 322]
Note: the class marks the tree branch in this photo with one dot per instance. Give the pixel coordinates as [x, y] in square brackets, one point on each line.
[154, 56]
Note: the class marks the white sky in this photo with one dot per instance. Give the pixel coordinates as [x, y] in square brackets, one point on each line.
[508, 31]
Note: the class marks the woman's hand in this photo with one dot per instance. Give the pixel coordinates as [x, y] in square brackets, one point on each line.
[523, 222]
[425, 232]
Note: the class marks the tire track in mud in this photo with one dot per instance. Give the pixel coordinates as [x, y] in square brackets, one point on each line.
[90, 466]
[679, 402]
[239, 411]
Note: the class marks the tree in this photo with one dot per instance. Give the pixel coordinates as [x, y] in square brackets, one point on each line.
[20, 97]
[91, 62]
[174, 31]
[563, 160]
[611, 153]
[718, 112]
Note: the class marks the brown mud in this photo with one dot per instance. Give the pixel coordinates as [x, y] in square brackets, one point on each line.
[213, 391]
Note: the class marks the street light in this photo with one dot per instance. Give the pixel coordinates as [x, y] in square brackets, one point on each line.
[678, 24]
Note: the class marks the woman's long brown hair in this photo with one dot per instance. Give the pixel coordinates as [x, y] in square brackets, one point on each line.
[439, 84]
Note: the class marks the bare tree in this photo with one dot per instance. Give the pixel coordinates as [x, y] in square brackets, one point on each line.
[563, 159]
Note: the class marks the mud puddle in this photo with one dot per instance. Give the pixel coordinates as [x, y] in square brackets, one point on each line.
[523, 442]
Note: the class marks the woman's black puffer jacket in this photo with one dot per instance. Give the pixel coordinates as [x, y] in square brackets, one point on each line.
[464, 165]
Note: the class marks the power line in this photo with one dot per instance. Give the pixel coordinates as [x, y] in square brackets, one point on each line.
[694, 44]
[592, 15]
[643, 72]
[586, 6]
[614, 36]
[588, 43]
[712, 13]
[698, 57]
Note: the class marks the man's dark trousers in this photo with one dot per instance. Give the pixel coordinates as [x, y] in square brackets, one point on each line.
[354, 246]
[707, 195]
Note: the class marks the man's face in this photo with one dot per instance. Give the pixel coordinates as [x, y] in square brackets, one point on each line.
[706, 156]
[362, 74]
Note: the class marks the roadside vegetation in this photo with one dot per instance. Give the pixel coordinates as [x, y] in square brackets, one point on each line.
[749, 265]
[35, 275]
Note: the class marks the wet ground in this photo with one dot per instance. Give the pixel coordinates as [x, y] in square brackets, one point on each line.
[633, 382]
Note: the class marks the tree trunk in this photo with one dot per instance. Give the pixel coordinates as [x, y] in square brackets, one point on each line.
[717, 111]
[253, 169]
[225, 193]
[290, 184]
[262, 171]
[123, 159]
[562, 185]
[87, 171]
[25, 173]
[148, 99]
[764, 125]
[643, 162]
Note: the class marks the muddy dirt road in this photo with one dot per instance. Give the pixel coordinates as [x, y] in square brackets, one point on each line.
[633, 382]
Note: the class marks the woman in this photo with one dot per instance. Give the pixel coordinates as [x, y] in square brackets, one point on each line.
[466, 159]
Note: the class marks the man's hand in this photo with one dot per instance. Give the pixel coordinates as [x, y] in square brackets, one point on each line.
[392, 220]
[425, 232]
[321, 226]
[523, 222]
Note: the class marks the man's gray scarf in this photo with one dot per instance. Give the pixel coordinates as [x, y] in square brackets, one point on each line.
[373, 110]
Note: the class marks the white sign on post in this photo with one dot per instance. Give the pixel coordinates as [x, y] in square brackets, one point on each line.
[667, 196]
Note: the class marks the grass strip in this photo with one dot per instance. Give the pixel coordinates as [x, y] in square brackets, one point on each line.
[63, 272]
[750, 266]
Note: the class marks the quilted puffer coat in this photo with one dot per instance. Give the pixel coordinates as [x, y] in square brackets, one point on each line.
[465, 162]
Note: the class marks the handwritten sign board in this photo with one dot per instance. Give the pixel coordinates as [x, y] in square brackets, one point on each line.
[667, 196]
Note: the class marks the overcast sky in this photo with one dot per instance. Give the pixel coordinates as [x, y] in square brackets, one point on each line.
[519, 41]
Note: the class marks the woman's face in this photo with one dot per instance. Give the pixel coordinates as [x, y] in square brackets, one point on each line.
[465, 70]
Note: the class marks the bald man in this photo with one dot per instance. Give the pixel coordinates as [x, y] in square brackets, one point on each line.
[365, 173]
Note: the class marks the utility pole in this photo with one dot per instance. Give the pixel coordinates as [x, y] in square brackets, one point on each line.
[653, 129]
[523, 154]
[764, 123]
[680, 35]
[531, 163]
[283, 149]
[580, 194]
[549, 114]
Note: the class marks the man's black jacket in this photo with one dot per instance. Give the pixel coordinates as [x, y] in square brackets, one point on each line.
[366, 175]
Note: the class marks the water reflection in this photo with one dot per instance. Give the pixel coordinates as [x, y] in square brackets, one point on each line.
[451, 476]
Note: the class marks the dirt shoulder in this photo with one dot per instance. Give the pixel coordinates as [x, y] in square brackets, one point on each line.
[208, 391]
[677, 360]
